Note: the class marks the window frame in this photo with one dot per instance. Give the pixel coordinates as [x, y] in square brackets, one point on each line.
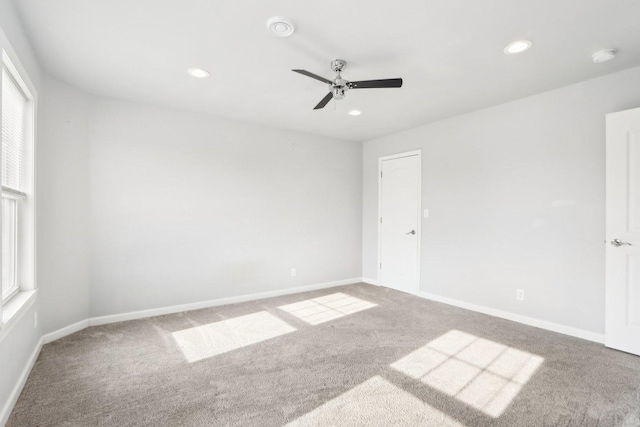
[16, 285]
[12, 307]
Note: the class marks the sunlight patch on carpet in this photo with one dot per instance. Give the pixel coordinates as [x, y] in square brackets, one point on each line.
[481, 373]
[216, 338]
[326, 308]
[376, 402]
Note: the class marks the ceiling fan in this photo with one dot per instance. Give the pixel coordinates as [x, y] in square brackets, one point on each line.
[339, 86]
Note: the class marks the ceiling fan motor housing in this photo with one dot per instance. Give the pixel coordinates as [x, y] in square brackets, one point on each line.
[338, 65]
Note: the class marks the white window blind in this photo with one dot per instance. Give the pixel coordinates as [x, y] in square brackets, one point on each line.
[15, 118]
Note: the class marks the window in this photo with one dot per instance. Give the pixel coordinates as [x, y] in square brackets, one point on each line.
[16, 169]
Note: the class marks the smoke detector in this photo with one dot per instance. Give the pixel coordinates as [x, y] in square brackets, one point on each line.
[281, 26]
[604, 55]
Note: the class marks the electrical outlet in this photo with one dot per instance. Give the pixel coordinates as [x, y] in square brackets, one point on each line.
[35, 319]
[520, 294]
[293, 272]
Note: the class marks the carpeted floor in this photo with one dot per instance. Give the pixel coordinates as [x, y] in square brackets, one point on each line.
[351, 355]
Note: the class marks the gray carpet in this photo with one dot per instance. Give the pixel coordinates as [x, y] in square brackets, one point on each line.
[351, 355]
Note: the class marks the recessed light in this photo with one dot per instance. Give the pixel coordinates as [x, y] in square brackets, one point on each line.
[604, 55]
[355, 112]
[281, 26]
[517, 46]
[198, 72]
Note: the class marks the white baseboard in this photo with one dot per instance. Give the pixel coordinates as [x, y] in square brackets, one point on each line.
[102, 320]
[370, 281]
[542, 324]
[63, 332]
[17, 389]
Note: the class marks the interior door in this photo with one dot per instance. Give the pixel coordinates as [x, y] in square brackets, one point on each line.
[399, 228]
[623, 232]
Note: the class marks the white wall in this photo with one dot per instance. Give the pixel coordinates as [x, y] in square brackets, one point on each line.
[63, 205]
[516, 195]
[16, 352]
[186, 207]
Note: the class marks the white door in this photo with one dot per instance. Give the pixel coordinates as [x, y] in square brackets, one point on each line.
[623, 231]
[399, 228]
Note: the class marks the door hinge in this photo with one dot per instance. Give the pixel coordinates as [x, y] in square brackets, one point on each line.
[380, 174]
[380, 266]
[380, 220]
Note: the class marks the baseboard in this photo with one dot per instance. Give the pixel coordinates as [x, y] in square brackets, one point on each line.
[102, 320]
[542, 324]
[17, 389]
[63, 332]
[370, 281]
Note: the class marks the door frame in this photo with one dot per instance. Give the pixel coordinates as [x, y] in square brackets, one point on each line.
[418, 153]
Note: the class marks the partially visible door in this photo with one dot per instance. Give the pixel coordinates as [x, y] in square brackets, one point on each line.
[399, 228]
[622, 330]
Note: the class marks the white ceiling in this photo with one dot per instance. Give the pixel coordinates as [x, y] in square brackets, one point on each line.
[448, 52]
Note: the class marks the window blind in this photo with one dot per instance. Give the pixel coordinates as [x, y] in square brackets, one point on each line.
[15, 111]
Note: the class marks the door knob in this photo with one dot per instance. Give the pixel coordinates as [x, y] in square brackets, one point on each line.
[618, 242]
[412, 232]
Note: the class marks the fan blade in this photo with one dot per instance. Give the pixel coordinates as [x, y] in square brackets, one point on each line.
[313, 76]
[324, 101]
[374, 84]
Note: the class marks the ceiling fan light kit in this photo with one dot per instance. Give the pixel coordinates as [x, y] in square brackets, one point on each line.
[339, 86]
